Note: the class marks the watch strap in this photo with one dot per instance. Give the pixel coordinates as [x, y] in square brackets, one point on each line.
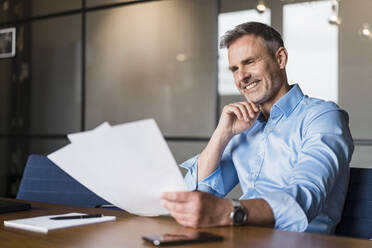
[236, 203]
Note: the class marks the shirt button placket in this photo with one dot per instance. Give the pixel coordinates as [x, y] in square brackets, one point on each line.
[260, 158]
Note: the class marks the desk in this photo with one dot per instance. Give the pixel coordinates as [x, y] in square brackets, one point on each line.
[127, 230]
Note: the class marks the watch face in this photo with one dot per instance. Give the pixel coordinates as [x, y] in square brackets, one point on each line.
[239, 216]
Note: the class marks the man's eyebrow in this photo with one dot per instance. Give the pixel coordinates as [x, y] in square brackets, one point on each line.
[249, 59]
[244, 61]
[232, 68]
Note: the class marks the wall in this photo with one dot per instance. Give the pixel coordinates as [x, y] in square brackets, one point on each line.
[99, 62]
[77, 66]
[355, 76]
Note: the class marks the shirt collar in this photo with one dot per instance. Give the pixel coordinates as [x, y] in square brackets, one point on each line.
[289, 101]
[286, 104]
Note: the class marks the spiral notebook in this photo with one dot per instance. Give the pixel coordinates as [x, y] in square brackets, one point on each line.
[44, 224]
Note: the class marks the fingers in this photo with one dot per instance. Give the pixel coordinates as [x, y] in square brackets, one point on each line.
[229, 109]
[254, 106]
[243, 110]
[252, 111]
[201, 209]
[180, 196]
[176, 207]
[181, 211]
[187, 220]
[183, 219]
[185, 213]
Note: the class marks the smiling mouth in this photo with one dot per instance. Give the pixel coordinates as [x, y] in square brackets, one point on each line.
[250, 86]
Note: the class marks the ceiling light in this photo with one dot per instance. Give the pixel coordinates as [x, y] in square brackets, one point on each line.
[261, 7]
[334, 19]
[365, 31]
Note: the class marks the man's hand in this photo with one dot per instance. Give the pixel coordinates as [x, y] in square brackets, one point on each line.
[198, 209]
[237, 117]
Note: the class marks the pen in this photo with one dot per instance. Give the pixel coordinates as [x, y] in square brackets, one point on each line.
[105, 206]
[85, 216]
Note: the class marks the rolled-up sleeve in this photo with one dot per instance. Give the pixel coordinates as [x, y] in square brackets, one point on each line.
[191, 177]
[288, 216]
[219, 182]
[326, 151]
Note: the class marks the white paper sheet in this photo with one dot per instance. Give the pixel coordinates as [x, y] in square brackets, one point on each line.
[76, 137]
[129, 165]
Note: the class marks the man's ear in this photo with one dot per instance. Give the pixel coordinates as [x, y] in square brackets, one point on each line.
[281, 56]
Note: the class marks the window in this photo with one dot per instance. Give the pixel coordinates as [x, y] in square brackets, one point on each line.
[312, 45]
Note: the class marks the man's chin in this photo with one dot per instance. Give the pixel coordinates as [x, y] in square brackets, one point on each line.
[253, 99]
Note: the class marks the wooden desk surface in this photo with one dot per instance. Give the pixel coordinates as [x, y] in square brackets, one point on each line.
[127, 230]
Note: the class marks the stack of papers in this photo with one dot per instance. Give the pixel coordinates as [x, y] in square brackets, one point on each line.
[44, 223]
[129, 165]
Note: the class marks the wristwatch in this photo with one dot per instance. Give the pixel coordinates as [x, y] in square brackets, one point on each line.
[239, 214]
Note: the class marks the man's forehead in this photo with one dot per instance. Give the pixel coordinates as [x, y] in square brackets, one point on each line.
[245, 47]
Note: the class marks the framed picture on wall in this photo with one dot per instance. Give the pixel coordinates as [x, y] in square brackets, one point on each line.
[7, 42]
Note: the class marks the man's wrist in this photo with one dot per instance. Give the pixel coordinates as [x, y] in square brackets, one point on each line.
[239, 214]
[225, 218]
[222, 135]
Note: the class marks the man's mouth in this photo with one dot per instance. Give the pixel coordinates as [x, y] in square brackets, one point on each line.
[250, 85]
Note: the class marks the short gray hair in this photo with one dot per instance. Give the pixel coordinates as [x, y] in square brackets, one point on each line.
[271, 38]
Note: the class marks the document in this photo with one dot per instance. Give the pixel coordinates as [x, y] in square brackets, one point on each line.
[128, 165]
[76, 137]
[44, 223]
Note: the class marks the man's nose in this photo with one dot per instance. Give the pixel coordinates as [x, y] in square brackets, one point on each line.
[243, 76]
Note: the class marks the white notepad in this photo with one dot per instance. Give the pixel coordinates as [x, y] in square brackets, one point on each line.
[43, 224]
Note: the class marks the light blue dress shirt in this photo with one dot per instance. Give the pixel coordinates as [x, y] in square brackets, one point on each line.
[298, 161]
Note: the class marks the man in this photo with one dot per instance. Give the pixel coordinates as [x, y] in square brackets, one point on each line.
[289, 152]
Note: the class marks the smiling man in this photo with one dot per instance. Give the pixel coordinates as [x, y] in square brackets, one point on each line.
[289, 152]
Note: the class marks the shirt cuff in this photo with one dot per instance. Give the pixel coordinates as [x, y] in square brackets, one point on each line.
[287, 212]
[191, 177]
[212, 184]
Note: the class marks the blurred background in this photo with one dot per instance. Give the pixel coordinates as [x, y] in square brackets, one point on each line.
[67, 66]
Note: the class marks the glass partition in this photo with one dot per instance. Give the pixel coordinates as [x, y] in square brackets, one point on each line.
[158, 64]
[94, 3]
[47, 7]
[56, 75]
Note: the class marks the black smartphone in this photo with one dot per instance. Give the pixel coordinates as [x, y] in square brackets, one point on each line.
[182, 238]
